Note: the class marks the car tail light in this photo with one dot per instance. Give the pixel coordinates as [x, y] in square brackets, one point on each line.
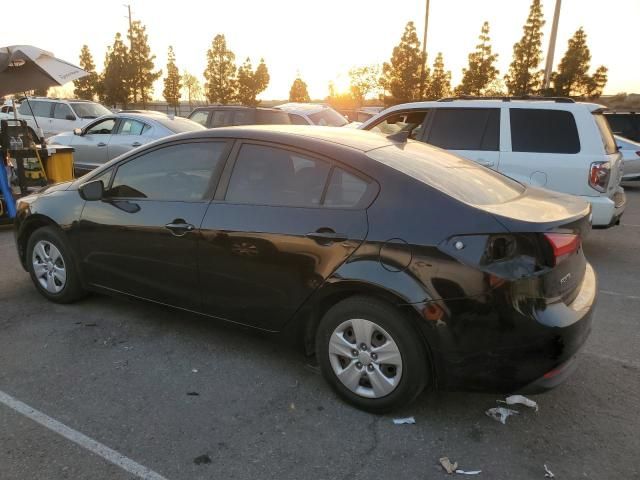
[563, 245]
[599, 174]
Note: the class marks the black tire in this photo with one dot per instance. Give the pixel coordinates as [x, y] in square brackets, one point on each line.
[72, 289]
[415, 363]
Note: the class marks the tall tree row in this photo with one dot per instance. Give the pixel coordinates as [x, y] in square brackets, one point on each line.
[86, 88]
[438, 84]
[298, 91]
[172, 86]
[141, 61]
[251, 82]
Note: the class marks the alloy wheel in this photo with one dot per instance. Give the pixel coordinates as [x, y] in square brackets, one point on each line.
[49, 267]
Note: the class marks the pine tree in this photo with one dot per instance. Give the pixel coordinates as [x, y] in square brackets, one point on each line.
[86, 87]
[114, 87]
[299, 92]
[401, 76]
[439, 82]
[363, 81]
[572, 78]
[192, 87]
[141, 63]
[524, 77]
[481, 71]
[220, 74]
[251, 83]
[171, 92]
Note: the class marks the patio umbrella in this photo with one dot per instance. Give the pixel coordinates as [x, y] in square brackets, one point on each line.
[24, 67]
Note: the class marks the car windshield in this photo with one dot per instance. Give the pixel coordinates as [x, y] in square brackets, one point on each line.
[89, 109]
[328, 117]
[179, 124]
[459, 178]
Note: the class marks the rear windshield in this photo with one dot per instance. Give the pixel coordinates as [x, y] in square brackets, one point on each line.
[272, 118]
[605, 132]
[328, 117]
[178, 124]
[461, 179]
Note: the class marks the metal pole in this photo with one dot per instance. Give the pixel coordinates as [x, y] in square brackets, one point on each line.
[423, 73]
[552, 45]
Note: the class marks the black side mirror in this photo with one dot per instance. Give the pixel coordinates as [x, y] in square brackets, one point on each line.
[92, 191]
[70, 117]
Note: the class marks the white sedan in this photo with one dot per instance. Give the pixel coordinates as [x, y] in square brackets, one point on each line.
[631, 158]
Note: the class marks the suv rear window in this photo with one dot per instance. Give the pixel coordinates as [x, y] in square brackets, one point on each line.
[465, 129]
[608, 141]
[543, 131]
[266, 117]
[461, 179]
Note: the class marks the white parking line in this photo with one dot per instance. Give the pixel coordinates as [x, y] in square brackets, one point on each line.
[616, 294]
[80, 439]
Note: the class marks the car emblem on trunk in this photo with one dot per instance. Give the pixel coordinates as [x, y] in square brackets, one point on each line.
[565, 279]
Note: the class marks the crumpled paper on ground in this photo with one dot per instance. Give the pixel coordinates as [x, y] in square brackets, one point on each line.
[548, 473]
[520, 400]
[447, 465]
[500, 414]
[469, 472]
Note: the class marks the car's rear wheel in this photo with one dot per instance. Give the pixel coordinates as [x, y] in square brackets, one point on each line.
[371, 355]
[52, 267]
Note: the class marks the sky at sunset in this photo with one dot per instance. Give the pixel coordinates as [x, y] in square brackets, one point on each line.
[323, 39]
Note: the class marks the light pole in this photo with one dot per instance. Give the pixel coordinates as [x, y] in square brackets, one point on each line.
[552, 46]
[423, 73]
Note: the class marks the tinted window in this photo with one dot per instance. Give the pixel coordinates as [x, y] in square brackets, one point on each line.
[298, 119]
[457, 177]
[272, 118]
[244, 117]
[465, 129]
[608, 141]
[344, 190]
[272, 176]
[328, 117]
[103, 127]
[543, 131]
[221, 118]
[199, 116]
[412, 122]
[131, 127]
[178, 124]
[61, 111]
[40, 108]
[177, 172]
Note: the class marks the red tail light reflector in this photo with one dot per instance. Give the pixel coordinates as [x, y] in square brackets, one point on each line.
[563, 245]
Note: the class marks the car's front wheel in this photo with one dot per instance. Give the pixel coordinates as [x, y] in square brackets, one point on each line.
[370, 355]
[51, 266]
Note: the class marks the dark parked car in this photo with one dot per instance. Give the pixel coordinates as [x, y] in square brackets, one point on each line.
[402, 266]
[625, 124]
[215, 116]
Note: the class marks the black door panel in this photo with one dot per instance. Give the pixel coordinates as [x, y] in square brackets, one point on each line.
[258, 264]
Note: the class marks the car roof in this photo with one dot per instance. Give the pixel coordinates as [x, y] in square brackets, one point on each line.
[300, 135]
[493, 103]
[234, 107]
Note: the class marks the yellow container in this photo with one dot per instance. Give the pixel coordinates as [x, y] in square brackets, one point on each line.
[59, 165]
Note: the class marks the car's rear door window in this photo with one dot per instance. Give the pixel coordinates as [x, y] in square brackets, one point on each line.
[297, 119]
[221, 118]
[543, 131]
[465, 129]
[176, 172]
[129, 126]
[61, 111]
[345, 189]
[39, 108]
[264, 175]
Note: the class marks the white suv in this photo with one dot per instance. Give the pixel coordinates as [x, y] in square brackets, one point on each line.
[56, 115]
[553, 143]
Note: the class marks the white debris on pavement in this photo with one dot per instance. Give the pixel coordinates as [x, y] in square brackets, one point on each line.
[194, 370]
[469, 472]
[520, 400]
[548, 473]
[447, 465]
[500, 414]
[404, 421]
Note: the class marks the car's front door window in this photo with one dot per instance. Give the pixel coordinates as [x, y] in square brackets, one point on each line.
[177, 172]
[103, 127]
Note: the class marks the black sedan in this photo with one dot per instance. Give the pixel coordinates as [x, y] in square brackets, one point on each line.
[399, 265]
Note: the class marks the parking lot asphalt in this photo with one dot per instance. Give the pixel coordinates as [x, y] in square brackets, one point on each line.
[189, 398]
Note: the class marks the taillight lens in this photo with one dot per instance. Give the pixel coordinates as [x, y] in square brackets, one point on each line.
[563, 245]
[599, 174]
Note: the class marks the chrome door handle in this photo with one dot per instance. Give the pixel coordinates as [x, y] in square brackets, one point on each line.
[486, 163]
[102, 144]
[179, 229]
[136, 144]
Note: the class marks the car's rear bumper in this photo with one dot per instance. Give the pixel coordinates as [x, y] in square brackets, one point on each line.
[607, 211]
[512, 340]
